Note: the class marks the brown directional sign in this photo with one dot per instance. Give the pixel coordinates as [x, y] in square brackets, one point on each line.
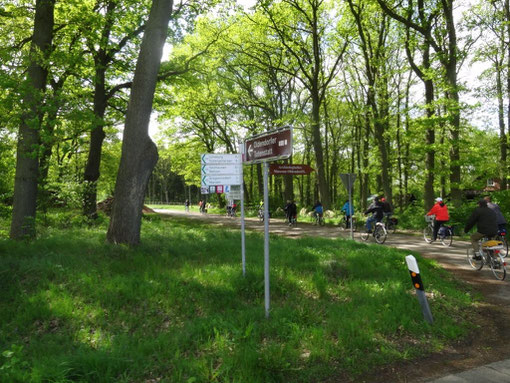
[294, 169]
[269, 146]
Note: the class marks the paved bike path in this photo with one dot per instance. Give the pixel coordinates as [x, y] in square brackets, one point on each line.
[452, 258]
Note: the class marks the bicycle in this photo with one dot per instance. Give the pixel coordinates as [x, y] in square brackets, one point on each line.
[391, 223]
[502, 237]
[445, 233]
[347, 224]
[490, 254]
[292, 221]
[231, 212]
[319, 220]
[260, 214]
[379, 233]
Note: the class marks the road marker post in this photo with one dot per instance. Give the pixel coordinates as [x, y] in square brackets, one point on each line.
[414, 271]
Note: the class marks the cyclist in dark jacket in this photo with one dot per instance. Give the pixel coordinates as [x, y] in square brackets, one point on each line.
[496, 209]
[486, 224]
[290, 210]
[377, 210]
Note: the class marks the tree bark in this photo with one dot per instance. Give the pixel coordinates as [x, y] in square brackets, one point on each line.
[27, 162]
[139, 153]
[502, 129]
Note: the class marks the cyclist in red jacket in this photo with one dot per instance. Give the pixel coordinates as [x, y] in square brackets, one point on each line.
[440, 210]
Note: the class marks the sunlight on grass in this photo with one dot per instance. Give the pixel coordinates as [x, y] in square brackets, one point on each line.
[177, 307]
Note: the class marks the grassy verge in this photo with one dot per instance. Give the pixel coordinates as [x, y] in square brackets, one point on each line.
[177, 308]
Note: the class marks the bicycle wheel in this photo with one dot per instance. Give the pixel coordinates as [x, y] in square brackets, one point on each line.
[427, 234]
[476, 264]
[497, 264]
[364, 235]
[503, 252]
[322, 222]
[380, 234]
[447, 238]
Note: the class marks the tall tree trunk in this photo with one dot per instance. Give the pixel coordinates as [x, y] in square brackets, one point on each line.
[507, 19]
[288, 184]
[454, 110]
[319, 155]
[27, 162]
[97, 136]
[365, 162]
[139, 153]
[502, 129]
[92, 169]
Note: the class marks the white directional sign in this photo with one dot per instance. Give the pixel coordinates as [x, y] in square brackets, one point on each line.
[221, 169]
[216, 169]
[232, 179]
[220, 159]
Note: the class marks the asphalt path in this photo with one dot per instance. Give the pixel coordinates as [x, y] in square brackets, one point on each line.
[469, 366]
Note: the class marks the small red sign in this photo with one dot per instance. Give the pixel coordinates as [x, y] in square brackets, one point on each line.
[293, 169]
[219, 189]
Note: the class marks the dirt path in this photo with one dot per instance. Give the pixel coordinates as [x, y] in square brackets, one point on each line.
[489, 343]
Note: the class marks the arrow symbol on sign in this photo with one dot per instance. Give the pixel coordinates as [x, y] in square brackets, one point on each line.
[250, 151]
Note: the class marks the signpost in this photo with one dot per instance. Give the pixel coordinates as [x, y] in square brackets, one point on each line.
[269, 146]
[266, 147]
[293, 169]
[348, 181]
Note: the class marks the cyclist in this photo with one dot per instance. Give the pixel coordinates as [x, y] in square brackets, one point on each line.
[318, 210]
[201, 207]
[290, 211]
[486, 225]
[387, 208]
[501, 221]
[376, 208]
[348, 210]
[440, 210]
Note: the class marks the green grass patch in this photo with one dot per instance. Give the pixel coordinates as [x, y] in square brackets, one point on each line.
[178, 309]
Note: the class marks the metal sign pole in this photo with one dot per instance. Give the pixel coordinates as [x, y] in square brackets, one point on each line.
[243, 237]
[266, 239]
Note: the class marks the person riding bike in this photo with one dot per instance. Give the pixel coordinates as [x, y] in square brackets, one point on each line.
[440, 210]
[486, 225]
[348, 210]
[501, 221]
[387, 208]
[376, 208]
[318, 210]
[290, 211]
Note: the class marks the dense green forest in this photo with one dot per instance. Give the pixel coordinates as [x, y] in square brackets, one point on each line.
[370, 87]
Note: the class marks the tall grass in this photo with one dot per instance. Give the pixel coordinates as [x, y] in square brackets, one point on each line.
[177, 308]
